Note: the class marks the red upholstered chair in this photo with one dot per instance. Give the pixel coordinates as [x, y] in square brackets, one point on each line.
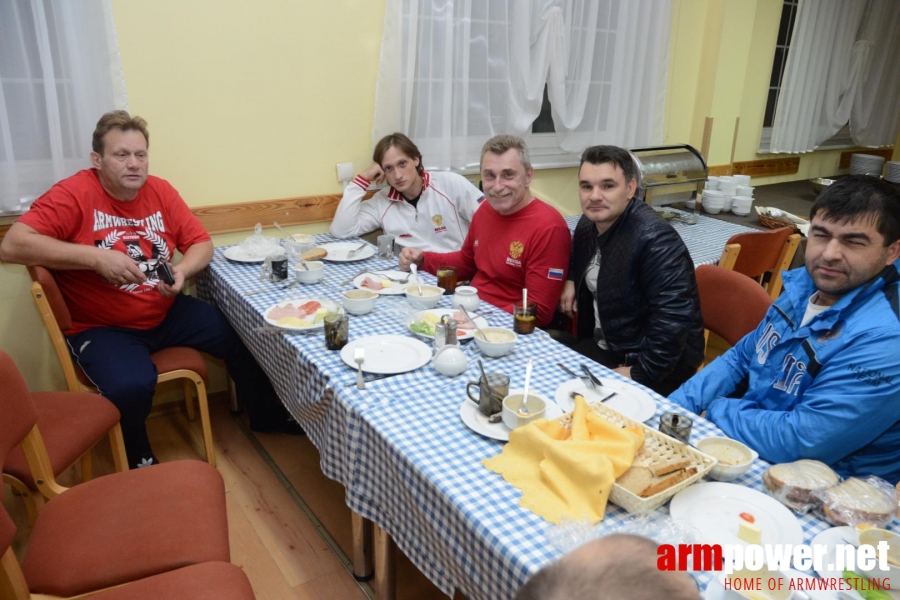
[71, 423]
[732, 304]
[114, 529]
[186, 364]
[764, 251]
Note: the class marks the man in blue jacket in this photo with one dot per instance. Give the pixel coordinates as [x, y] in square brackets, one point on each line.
[822, 371]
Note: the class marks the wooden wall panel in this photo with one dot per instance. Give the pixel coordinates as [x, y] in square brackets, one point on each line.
[768, 166]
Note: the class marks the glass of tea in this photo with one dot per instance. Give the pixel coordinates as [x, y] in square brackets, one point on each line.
[524, 317]
[337, 329]
[446, 278]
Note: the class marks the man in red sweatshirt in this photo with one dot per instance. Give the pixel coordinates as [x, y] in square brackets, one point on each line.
[515, 241]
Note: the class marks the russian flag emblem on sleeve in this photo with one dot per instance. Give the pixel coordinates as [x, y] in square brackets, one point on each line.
[555, 274]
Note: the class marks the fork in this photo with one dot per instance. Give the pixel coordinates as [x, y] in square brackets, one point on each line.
[588, 384]
[353, 252]
[359, 356]
[384, 276]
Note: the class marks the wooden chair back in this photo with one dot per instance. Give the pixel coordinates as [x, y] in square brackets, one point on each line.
[762, 251]
[55, 315]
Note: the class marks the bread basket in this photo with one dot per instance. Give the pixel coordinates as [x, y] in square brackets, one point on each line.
[775, 223]
[657, 448]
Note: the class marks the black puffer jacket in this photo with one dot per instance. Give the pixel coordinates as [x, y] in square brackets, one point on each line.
[648, 301]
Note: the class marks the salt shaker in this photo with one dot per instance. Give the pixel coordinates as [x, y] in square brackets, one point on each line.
[440, 335]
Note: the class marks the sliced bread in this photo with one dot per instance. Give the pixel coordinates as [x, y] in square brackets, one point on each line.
[314, 254]
[858, 501]
[796, 484]
[642, 482]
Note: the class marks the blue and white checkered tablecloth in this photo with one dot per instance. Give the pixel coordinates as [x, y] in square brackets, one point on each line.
[400, 448]
[704, 240]
[419, 475]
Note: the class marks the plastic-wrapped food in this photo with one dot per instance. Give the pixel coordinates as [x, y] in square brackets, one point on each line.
[872, 501]
[797, 485]
[258, 245]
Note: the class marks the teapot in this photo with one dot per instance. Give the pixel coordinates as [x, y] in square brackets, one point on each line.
[450, 360]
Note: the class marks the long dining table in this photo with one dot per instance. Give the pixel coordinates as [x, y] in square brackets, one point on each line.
[399, 447]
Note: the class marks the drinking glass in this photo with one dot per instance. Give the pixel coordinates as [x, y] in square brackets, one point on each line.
[386, 246]
[490, 394]
[337, 330]
[524, 317]
[446, 278]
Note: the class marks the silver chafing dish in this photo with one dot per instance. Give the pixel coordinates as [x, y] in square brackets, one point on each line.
[670, 174]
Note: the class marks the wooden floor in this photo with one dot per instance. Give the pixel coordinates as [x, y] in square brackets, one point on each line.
[268, 479]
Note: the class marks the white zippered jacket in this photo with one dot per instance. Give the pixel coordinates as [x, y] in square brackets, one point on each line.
[438, 223]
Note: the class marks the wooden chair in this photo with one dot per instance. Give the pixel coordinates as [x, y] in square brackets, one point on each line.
[732, 304]
[110, 531]
[764, 251]
[182, 363]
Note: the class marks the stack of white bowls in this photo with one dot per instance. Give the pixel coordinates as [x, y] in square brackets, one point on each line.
[892, 171]
[728, 186]
[866, 164]
[740, 205]
[742, 179]
[712, 183]
[713, 201]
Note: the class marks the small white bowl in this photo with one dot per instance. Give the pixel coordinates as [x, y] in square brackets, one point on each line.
[512, 404]
[431, 295]
[500, 341]
[359, 302]
[713, 210]
[304, 238]
[734, 457]
[313, 273]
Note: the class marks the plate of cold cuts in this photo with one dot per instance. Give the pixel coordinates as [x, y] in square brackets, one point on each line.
[422, 323]
[386, 283]
[302, 314]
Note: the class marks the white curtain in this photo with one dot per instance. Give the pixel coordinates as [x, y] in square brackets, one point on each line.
[842, 67]
[59, 71]
[455, 72]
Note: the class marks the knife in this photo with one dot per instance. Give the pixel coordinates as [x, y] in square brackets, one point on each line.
[588, 383]
[596, 381]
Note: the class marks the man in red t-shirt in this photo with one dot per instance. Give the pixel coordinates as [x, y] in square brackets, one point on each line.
[515, 241]
[108, 233]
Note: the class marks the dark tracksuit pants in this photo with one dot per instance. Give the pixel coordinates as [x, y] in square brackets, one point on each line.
[117, 361]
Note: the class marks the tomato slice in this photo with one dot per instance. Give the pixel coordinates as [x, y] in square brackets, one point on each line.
[748, 517]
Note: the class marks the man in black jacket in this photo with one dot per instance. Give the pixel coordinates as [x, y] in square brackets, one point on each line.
[631, 279]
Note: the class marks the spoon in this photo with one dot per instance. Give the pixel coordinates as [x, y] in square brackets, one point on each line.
[524, 410]
[471, 320]
[415, 271]
[302, 263]
[495, 418]
[283, 232]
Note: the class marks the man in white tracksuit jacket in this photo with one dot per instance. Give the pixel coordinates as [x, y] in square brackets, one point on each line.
[420, 209]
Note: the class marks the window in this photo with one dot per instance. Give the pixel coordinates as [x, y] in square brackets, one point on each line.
[842, 138]
[57, 79]
[563, 74]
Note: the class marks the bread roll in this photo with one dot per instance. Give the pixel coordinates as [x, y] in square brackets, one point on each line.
[314, 254]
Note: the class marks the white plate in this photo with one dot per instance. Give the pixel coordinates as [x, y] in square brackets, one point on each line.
[396, 288]
[629, 400]
[715, 591]
[830, 538]
[461, 334]
[238, 254]
[714, 509]
[338, 251]
[329, 304]
[388, 354]
[478, 423]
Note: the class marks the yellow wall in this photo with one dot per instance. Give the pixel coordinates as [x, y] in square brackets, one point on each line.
[259, 100]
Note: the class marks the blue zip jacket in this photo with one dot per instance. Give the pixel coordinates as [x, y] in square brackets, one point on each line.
[828, 391]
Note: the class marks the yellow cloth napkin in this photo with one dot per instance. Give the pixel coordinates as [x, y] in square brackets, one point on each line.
[567, 478]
